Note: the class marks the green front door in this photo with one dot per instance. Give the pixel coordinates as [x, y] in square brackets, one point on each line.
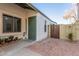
[32, 28]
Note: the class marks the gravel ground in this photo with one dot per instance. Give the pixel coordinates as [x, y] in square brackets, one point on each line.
[55, 47]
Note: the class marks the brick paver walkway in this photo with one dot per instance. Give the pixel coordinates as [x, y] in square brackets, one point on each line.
[55, 47]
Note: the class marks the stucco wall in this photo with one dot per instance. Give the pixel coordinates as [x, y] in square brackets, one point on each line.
[14, 10]
[40, 27]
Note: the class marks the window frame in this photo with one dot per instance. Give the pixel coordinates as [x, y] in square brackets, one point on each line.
[12, 31]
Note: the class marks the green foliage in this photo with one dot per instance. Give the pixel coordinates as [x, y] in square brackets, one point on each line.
[70, 36]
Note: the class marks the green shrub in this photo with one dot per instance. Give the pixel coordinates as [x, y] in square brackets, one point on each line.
[11, 38]
[70, 36]
[16, 38]
[6, 39]
[0, 40]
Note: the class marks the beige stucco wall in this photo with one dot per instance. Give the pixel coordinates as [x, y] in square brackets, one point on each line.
[14, 10]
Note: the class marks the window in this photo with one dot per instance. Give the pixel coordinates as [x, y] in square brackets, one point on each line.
[17, 24]
[45, 26]
[11, 24]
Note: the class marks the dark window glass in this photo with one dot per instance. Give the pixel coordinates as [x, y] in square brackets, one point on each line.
[11, 24]
[45, 26]
[17, 25]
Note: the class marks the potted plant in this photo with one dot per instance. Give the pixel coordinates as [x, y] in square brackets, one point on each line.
[11, 38]
[16, 38]
[6, 40]
[3, 41]
[0, 40]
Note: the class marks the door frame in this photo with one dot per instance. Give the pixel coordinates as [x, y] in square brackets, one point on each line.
[28, 27]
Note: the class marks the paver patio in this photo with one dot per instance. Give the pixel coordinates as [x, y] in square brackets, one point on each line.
[55, 47]
[48, 47]
[17, 48]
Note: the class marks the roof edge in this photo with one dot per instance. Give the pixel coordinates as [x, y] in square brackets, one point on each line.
[32, 6]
